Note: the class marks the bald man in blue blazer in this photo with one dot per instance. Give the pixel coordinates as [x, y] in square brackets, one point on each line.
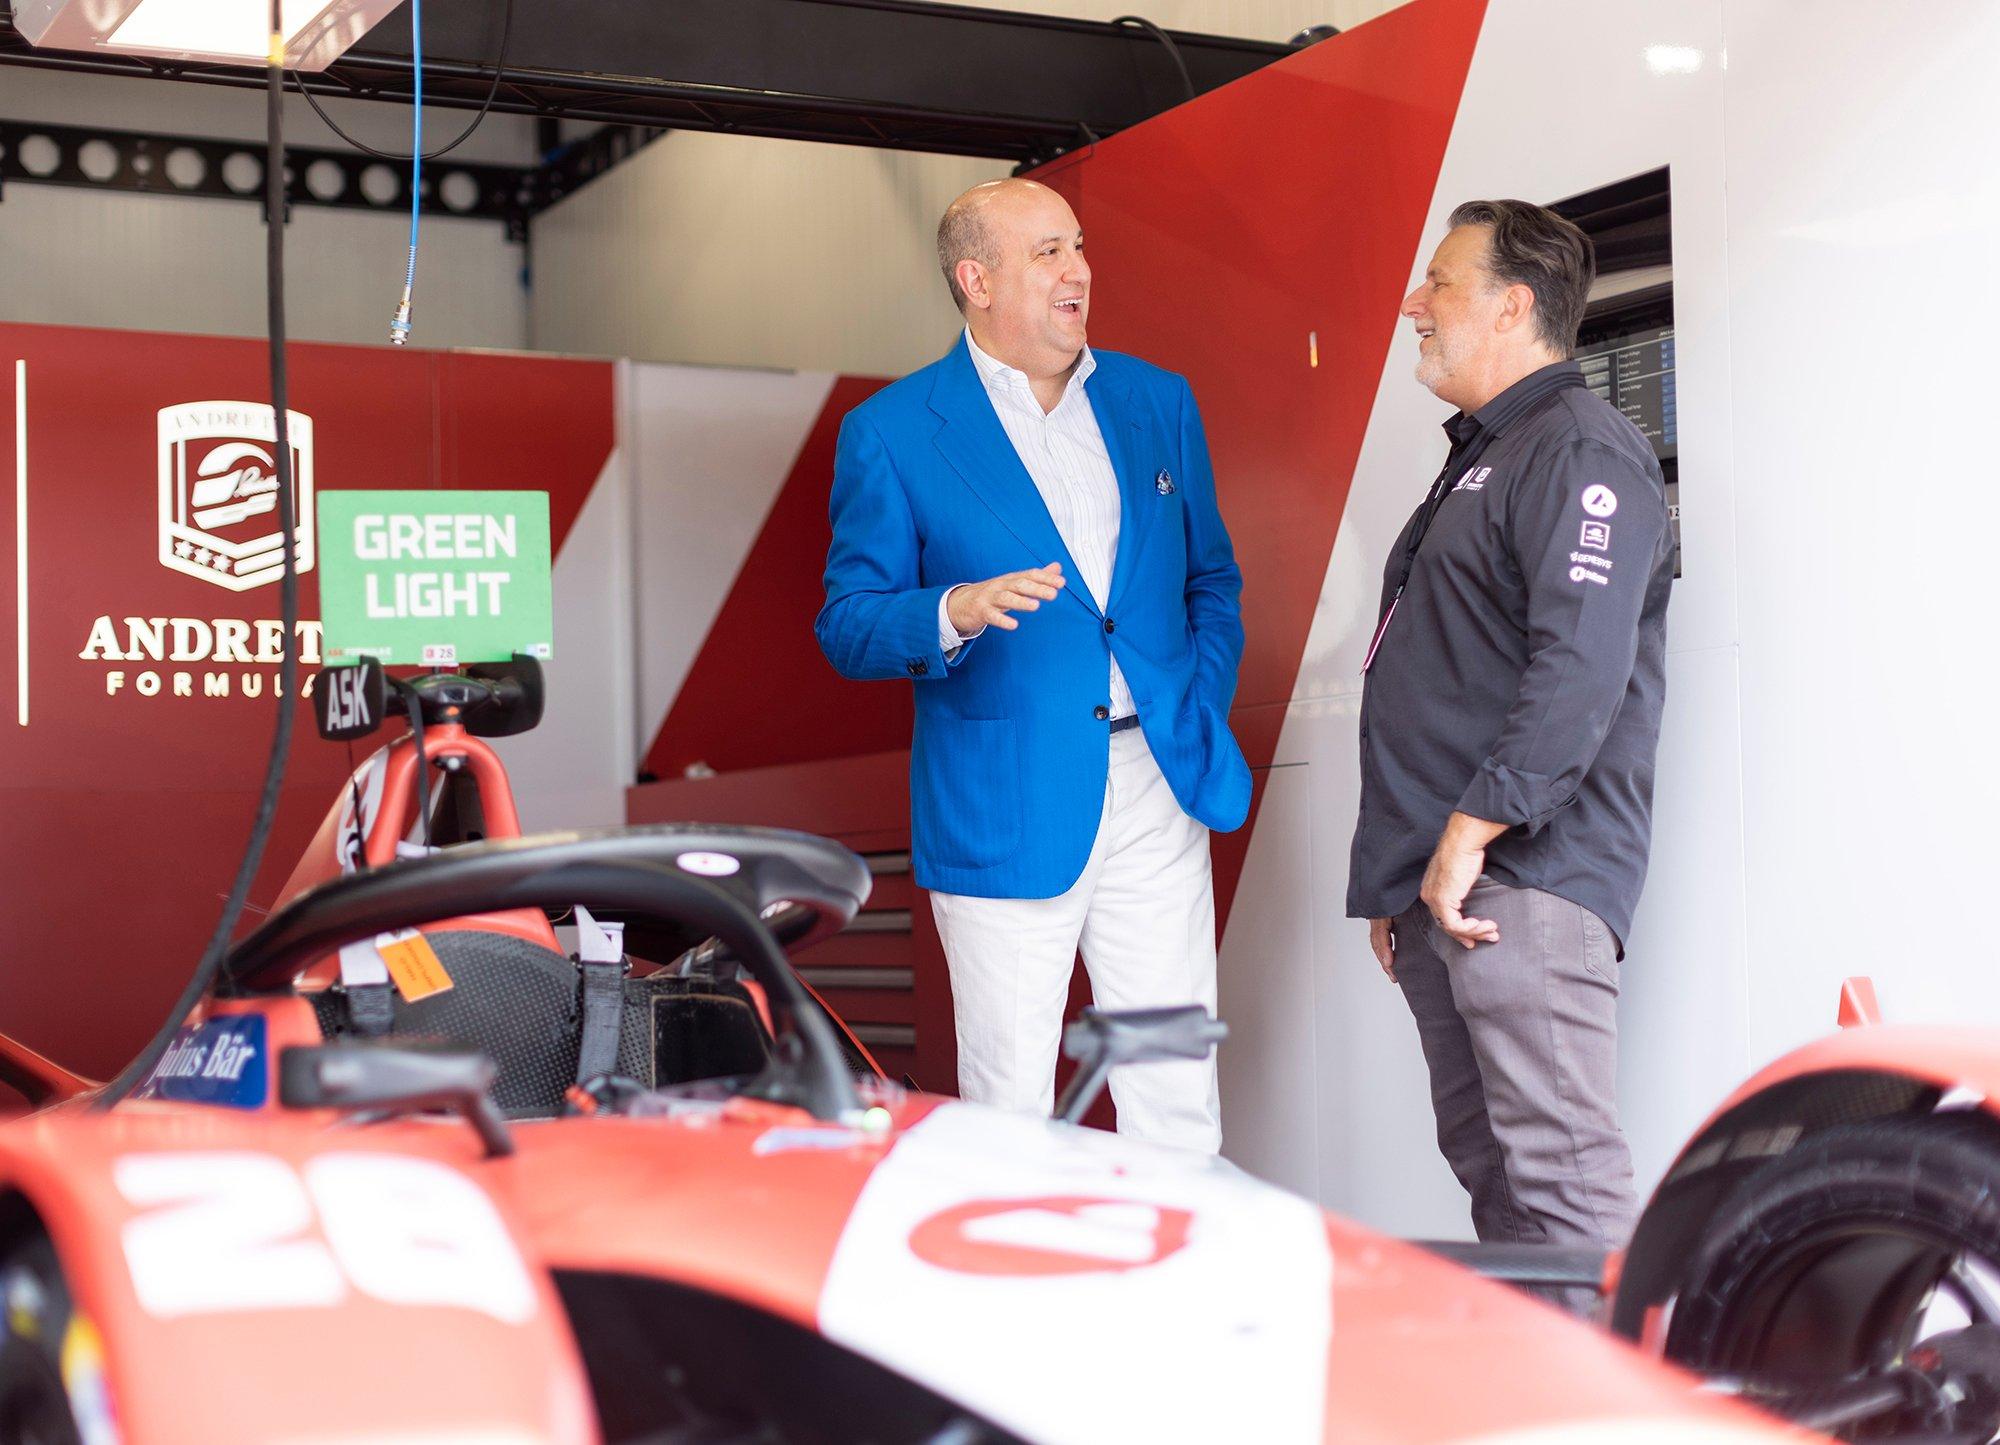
[1072, 746]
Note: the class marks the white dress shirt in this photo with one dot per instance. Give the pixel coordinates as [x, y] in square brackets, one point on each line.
[1066, 458]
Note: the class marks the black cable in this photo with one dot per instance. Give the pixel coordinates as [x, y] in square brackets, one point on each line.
[499, 69]
[414, 702]
[1165, 39]
[288, 663]
[356, 856]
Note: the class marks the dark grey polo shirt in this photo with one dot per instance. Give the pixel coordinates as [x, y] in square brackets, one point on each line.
[1520, 675]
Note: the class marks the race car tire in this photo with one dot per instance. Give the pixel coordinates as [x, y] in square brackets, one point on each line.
[38, 1321]
[1824, 1264]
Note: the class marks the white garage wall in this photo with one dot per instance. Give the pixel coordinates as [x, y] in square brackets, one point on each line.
[77, 257]
[732, 251]
[722, 250]
[1824, 788]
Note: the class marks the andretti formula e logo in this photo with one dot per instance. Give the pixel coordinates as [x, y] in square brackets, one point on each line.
[219, 492]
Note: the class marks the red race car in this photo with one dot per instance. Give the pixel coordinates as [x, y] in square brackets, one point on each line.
[414, 1170]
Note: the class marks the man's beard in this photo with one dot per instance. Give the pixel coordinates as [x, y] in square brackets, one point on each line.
[1434, 367]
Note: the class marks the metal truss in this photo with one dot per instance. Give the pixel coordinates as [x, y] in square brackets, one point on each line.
[899, 74]
[96, 158]
[895, 74]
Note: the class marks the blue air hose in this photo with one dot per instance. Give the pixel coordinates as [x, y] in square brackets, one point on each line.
[399, 329]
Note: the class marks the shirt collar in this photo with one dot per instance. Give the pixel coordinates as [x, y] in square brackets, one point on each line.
[1510, 405]
[999, 376]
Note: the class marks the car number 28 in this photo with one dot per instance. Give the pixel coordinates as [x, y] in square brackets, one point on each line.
[240, 1231]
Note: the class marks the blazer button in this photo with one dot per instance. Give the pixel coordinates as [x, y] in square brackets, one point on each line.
[1109, 625]
[918, 667]
[1101, 713]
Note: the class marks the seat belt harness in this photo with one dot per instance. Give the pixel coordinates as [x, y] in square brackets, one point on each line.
[600, 956]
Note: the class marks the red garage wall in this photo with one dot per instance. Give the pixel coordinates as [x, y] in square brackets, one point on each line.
[721, 717]
[123, 809]
[1237, 239]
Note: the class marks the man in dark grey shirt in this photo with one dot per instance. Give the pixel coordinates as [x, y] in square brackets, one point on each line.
[1508, 728]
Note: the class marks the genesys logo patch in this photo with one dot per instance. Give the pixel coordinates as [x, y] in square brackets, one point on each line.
[219, 492]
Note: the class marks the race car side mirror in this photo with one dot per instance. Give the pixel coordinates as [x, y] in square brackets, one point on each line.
[350, 702]
[398, 1080]
[515, 694]
[1101, 1040]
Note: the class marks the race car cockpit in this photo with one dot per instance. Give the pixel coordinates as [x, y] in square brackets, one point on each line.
[727, 899]
[677, 974]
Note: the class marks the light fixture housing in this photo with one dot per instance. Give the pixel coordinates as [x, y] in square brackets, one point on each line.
[227, 32]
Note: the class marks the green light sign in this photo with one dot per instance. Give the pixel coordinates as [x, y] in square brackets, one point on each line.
[435, 579]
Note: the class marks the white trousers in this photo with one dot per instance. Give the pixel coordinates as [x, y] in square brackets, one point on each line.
[1143, 912]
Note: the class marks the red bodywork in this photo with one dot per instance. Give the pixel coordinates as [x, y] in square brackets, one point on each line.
[260, 1274]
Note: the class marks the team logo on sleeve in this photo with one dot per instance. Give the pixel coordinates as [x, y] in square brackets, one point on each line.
[1600, 500]
[1596, 537]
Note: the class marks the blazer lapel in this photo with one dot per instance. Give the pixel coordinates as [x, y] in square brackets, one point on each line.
[978, 448]
[1121, 420]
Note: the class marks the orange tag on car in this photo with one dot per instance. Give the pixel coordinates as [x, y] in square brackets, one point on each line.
[413, 964]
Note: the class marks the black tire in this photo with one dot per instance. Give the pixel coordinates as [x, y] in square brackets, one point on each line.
[1821, 1264]
[35, 1319]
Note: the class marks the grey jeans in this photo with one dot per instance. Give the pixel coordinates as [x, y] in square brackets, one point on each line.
[1521, 1037]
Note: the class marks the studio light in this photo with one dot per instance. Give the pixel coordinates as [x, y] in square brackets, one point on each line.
[317, 32]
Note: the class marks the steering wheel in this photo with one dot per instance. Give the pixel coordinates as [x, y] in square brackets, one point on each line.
[650, 873]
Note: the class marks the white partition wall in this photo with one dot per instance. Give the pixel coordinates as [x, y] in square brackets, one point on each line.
[1824, 802]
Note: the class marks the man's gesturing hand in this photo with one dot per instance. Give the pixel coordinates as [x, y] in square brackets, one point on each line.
[974, 606]
[1454, 868]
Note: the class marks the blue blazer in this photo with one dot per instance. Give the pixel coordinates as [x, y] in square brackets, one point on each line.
[1012, 747]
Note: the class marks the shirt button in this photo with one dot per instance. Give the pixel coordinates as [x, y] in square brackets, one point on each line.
[1101, 713]
[1109, 625]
